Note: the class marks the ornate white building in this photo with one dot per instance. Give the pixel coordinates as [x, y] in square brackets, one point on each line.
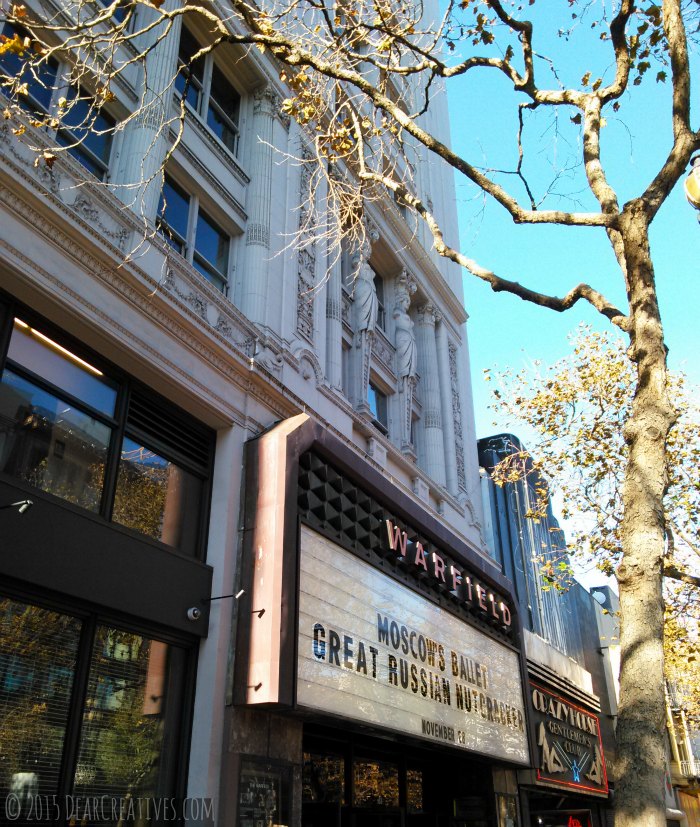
[135, 373]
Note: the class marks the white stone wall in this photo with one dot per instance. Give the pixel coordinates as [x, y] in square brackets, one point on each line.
[242, 361]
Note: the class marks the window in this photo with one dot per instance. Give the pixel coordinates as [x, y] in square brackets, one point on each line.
[87, 709]
[208, 92]
[381, 312]
[120, 11]
[194, 234]
[72, 431]
[377, 402]
[40, 84]
[173, 215]
[87, 134]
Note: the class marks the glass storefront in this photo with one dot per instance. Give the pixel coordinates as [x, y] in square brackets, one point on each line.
[87, 709]
[363, 782]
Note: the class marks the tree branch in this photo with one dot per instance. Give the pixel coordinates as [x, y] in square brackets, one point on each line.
[673, 571]
[497, 283]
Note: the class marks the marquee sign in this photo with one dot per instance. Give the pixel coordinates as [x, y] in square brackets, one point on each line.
[569, 743]
[373, 650]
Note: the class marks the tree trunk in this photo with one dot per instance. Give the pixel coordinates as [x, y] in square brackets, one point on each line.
[641, 761]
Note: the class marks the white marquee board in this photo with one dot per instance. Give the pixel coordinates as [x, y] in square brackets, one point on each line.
[372, 650]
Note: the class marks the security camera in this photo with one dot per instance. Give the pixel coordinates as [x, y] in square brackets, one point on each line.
[194, 613]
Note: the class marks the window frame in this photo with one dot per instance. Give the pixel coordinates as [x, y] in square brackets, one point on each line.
[206, 102]
[380, 411]
[191, 252]
[180, 708]
[65, 135]
[119, 424]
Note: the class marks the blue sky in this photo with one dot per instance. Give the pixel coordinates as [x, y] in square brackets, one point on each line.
[505, 331]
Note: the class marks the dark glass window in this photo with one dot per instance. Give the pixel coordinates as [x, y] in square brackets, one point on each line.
[154, 496]
[224, 106]
[40, 81]
[377, 402]
[116, 696]
[38, 654]
[216, 95]
[49, 360]
[122, 733]
[173, 214]
[120, 11]
[414, 791]
[381, 311]
[376, 784]
[60, 421]
[211, 245]
[190, 70]
[87, 134]
[49, 443]
[323, 778]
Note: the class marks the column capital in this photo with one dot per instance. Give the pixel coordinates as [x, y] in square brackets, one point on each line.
[427, 314]
[266, 101]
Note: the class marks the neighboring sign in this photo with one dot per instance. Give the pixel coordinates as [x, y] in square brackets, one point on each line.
[375, 651]
[570, 750]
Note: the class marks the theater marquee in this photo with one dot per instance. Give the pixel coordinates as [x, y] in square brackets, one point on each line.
[372, 650]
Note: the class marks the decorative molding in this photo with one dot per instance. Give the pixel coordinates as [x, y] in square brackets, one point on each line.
[306, 253]
[334, 308]
[377, 451]
[194, 120]
[432, 419]
[383, 350]
[427, 314]
[457, 417]
[214, 182]
[258, 234]
[266, 101]
[85, 208]
[421, 490]
[62, 178]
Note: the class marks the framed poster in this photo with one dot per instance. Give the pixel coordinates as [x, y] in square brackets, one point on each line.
[264, 795]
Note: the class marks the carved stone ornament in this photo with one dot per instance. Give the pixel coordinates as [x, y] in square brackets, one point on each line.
[457, 417]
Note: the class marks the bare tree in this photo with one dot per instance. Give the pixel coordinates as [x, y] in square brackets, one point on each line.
[361, 75]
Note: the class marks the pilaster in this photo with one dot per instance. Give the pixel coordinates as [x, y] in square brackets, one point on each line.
[139, 175]
[254, 291]
[430, 438]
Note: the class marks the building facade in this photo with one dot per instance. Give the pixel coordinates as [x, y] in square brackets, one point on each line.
[572, 702]
[255, 499]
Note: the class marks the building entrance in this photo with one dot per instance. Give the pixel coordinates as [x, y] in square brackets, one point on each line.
[363, 782]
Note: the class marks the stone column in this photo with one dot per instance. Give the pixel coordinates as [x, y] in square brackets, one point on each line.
[138, 180]
[448, 409]
[334, 327]
[254, 291]
[431, 443]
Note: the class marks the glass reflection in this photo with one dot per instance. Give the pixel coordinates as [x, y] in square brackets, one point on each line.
[323, 778]
[122, 733]
[156, 497]
[38, 650]
[376, 784]
[64, 369]
[49, 444]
